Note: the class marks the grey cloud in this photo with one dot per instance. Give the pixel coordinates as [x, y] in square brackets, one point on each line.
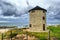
[53, 13]
[9, 10]
[57, 16]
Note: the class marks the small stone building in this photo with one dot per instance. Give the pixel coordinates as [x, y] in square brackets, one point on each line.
[37, 20]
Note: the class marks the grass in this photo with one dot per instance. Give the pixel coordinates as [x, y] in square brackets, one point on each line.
[40, 35]
[54, 32]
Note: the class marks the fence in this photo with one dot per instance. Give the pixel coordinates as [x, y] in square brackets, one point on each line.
[13, 34]
[19, 35]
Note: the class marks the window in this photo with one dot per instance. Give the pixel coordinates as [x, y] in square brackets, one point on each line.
[43, 18]
[30, 25]
[43, 11]
[33, 11]
[44, 27]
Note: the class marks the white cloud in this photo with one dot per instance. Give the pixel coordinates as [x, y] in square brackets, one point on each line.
[9, 17]
[22, 8]
[4, 21]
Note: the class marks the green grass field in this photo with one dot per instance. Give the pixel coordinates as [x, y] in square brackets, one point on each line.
[55, 31]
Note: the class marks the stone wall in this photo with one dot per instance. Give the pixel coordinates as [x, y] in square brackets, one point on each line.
[36, 20]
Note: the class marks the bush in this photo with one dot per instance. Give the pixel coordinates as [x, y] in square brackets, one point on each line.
[13, 35]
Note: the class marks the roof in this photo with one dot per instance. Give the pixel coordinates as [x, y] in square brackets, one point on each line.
[37, 8]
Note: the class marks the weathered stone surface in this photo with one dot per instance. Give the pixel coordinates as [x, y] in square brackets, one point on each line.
[36, 20]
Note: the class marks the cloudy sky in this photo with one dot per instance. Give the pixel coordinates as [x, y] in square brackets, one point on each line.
[17, 11]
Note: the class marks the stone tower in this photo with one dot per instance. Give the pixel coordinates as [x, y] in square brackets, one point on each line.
[37, 19]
